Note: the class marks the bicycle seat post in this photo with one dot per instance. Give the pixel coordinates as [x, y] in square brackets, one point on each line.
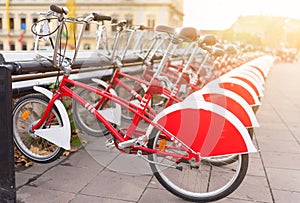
[173, 43]
[120, 26]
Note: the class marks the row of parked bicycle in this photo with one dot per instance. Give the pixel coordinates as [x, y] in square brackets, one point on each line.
[190, 116]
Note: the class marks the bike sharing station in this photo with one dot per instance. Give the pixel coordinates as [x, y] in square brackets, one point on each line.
[227, 102]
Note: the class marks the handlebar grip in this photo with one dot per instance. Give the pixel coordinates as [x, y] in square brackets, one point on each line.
[57, 9]
[98, 17]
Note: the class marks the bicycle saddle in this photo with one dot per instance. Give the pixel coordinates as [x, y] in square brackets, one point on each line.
[230, 49]
[188, 34]
[217, 52]
[164, 28]
[207, 40]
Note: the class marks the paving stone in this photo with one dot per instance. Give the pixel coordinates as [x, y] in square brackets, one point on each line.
[66, 179]
[155, 184]
[279, 134]
[284, 179]
[281, 160]
[279, 146]
[37, 168]
[94, 199]
[81, 159]
[95, 143]
[130, 164]
[156, 195]
[264, 114]
[253, 188]
[255, 167]
[295, 129]
[290, 117]
[22, 178]
[117, 186]
[281, 196]
[37, 195]
[103, 158]
[270, 125]
[231, 200]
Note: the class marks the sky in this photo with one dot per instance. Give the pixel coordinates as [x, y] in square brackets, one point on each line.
[220, 14]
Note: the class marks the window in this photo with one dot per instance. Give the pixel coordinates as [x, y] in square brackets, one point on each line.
[12, 23]
[1, 25]
[34, 20]
[12, 46]
[24, 46]
[1, 46]
[151, 21]
[23, 24]
[86, 46]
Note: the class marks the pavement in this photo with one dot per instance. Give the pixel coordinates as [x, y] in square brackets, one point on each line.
[273, 175]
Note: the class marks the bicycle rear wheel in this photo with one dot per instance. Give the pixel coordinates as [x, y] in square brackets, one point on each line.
[27, 111]
[197, 182]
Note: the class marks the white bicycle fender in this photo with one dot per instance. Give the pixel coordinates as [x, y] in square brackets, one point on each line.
[114, 114]
[59, 135]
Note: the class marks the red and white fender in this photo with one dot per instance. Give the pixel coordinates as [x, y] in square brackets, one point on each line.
[59, 135]
[247, 79]
[250, 74]
[206, 128]
[254, 71]
[228, 100]
[263, 63]
[238, 86]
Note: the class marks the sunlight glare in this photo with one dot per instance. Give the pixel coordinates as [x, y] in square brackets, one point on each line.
[221, 14]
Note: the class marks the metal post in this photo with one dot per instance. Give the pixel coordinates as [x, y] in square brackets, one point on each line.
[7, 168]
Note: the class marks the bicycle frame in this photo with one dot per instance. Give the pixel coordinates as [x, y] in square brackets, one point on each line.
[140, 114]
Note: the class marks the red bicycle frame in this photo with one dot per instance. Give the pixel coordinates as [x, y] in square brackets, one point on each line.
[139, 114]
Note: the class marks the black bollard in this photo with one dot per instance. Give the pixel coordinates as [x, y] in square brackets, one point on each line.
[7, 166]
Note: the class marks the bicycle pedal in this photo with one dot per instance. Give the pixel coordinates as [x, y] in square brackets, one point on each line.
[109, 144]
[126, 144]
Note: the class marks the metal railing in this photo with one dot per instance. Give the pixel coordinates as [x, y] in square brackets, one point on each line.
[27, 72]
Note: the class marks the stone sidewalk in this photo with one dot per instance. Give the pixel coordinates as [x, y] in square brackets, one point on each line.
[273, 174]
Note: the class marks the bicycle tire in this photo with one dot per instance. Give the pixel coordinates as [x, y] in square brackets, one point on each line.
[196, 184]
[86, 121]
[26, 111]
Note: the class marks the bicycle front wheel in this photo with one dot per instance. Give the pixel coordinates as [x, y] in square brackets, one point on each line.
[197, 182]
[26, 112]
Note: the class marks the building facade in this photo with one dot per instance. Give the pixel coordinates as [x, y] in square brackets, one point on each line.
[17, 16]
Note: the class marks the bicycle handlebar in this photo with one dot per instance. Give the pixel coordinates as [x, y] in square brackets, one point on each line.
[59, 10]
[98, 17]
